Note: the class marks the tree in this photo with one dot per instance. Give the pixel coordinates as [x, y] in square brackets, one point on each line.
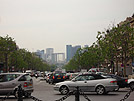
[20, 59]
[126, 42]
[7, 45]
[117, 45]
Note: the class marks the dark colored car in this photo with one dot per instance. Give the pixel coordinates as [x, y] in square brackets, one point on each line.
[56, 77]
[121, 82]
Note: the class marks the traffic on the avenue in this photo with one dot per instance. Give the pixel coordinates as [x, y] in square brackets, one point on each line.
[58, 86]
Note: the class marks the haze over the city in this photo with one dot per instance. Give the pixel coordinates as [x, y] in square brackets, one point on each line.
[41, 24]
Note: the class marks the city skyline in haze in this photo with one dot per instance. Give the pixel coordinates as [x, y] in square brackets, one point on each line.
[40, 24]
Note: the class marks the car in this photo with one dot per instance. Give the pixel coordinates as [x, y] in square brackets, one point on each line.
[67, 76]
[38, 73]
[131, 83]
[30, 72]
[93, 70]
[9, 83]
[100, 73]
[72, 75]
[87, 83]
[121, 82]
[56, 77]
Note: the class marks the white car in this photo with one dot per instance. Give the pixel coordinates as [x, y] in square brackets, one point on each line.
[88, 83]
[131, 83]
[9, 83]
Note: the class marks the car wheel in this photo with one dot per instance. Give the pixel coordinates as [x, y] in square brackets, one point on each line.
[131, 85]
[16, 94]
[52, 82]
[100, 90]
[64, 90]
[27, 95]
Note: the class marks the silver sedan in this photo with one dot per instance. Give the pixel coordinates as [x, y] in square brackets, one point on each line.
[88, 83]
[9, 83]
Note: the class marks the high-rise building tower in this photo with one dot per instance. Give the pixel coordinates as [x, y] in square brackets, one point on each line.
[71, 51]
[68, 52]
[74, 49]
[49, 52]
[40, 54]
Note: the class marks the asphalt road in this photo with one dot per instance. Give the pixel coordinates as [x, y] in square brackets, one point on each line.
[45, 92]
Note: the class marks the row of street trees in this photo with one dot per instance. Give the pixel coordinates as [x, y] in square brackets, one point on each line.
[11, 57]
[113, 46]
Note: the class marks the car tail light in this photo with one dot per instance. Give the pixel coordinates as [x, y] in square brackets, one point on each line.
[113, 82]
[63, 77]
[126, 80]
[53, 77]
[25, 84]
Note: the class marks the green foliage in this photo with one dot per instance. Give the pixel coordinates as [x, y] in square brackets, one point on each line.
[20, 59]
[86, 58]
[117, 44]
[112, 46]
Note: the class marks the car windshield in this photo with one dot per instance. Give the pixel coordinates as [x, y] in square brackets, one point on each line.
[84, 77]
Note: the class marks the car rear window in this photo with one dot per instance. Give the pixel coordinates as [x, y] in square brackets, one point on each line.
[25, 78]
[58, 74]
[28, 77]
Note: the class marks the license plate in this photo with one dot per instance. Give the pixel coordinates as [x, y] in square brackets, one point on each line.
[58, 78]
[30, 84]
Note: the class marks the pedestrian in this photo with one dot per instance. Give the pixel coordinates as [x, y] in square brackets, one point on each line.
[116, 73]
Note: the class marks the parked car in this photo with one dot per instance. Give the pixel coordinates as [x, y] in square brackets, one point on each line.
[131, 83]
[29, 72]
[121, 82]
[9, 82]
[72, 75]
[56, 77]
[67, 76]
[100, 73]
[87, 83]
[93, 70]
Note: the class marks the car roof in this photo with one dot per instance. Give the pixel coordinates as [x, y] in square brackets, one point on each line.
[90, 74]
[14, 73]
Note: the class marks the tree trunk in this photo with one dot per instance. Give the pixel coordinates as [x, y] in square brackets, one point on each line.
[117, 66]
[125, 63]
[6, 62]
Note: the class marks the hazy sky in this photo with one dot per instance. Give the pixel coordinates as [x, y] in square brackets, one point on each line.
[41, 24]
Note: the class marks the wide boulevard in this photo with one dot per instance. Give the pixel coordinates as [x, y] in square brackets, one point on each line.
[45, 92]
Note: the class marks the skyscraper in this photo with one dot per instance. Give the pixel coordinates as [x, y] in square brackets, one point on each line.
[49, 52]
[71, 51]
[40, 54]
[68, 52]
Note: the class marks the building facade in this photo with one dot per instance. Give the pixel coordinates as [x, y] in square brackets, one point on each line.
[71, 51]
[50, 57]
[130, 64]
